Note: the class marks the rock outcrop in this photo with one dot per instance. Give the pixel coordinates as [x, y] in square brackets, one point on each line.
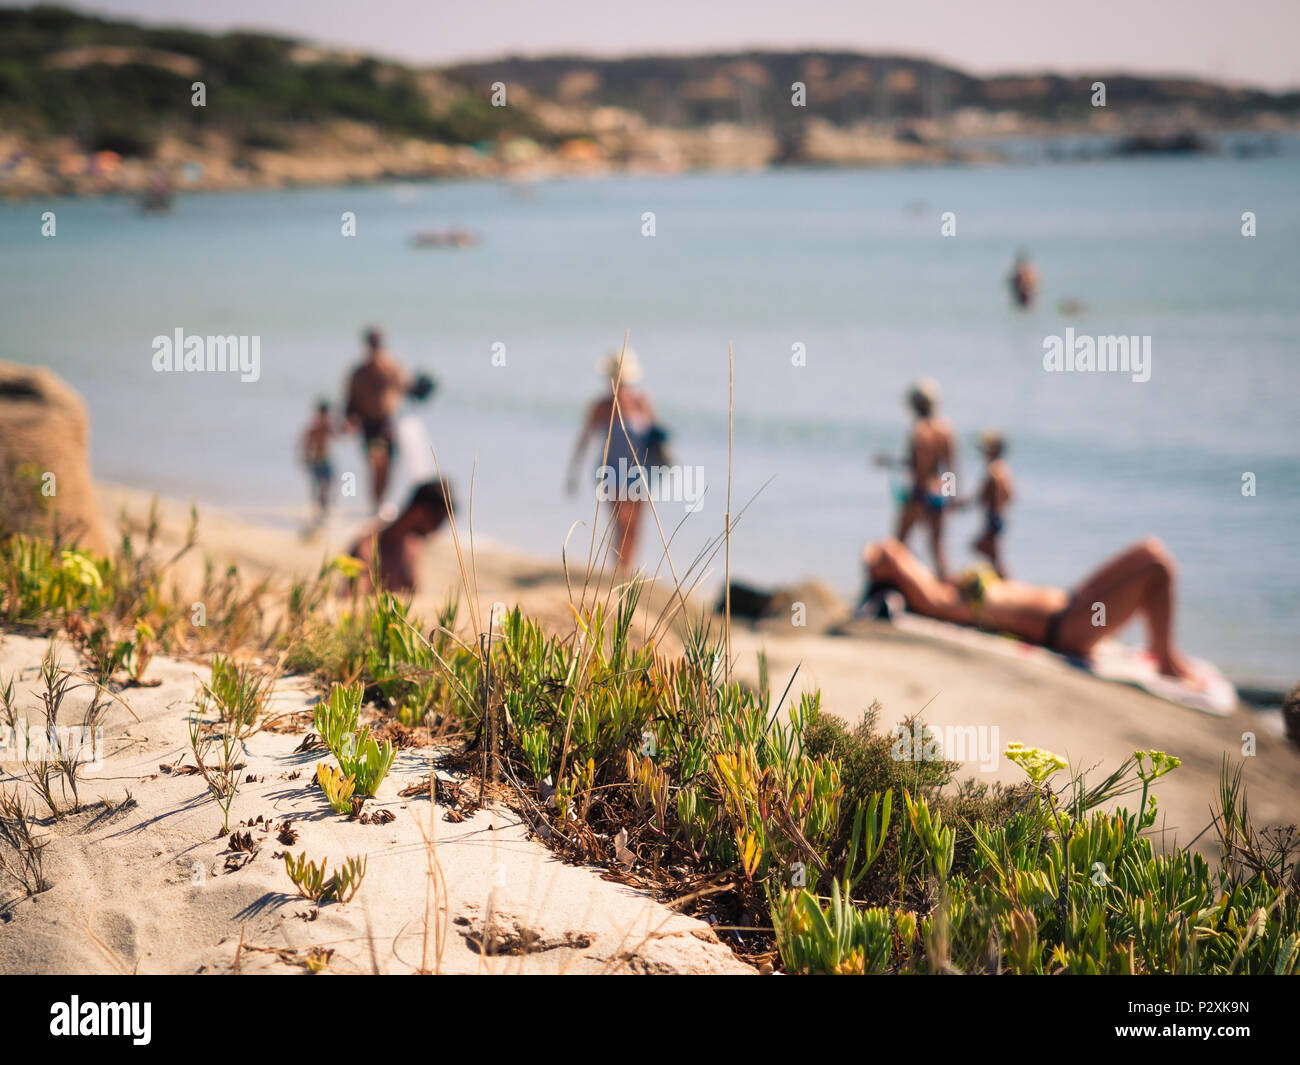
[810, 605]
[45, 483]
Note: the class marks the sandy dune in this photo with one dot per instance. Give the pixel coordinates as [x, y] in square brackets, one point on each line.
[151, 886]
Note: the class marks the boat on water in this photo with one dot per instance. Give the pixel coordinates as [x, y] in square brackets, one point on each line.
[445, 238]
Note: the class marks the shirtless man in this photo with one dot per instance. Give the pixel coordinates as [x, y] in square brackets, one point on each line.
[1139, 580]
[375, 391]
[628, 432]
[399, 542]
[929, 455]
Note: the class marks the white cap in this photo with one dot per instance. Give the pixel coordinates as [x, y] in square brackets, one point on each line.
[608, 367]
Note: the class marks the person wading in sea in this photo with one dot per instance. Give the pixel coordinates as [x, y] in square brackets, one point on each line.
[1023, 281]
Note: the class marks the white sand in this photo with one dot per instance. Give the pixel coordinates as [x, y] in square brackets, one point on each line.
[153, 888]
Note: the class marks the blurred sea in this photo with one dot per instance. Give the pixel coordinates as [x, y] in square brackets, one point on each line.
[849, 264]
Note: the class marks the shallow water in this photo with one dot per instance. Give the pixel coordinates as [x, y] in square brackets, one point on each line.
[849, 264]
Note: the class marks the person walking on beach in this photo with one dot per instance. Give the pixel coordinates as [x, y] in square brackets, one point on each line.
[392, 550]
[1139, 580]
[1023, 281]
[995, 496]
[316, 457]
[374, 393]
[622, 422]
[929, 459]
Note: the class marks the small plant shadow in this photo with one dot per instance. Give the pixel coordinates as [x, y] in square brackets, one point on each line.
[268, 903]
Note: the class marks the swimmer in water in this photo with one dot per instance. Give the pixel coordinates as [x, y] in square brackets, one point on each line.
[1023, 281]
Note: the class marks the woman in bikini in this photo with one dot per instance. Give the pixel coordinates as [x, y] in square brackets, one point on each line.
[1139, 580]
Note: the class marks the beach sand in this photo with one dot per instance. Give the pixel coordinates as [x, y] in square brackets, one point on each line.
[151, 886]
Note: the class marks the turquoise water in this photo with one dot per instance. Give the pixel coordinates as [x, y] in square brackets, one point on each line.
[849, 264]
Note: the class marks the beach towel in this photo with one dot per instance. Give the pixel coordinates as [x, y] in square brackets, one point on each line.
[1110, 660]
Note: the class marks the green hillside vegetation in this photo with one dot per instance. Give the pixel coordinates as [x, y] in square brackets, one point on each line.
[117, 86]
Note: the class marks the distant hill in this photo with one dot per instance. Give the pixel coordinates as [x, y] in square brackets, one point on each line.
[846, 86]
[120, 86]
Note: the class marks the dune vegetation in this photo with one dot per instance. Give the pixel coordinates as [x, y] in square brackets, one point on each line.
[810, 846]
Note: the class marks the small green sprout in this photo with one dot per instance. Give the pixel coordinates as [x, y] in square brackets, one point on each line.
[338, 788]
[312, 883]
[359, 756]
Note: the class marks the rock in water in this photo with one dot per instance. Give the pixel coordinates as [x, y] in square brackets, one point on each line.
[45, 484]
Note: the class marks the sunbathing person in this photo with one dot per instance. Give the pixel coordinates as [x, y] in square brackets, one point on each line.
[393, 549]
[1139, 580]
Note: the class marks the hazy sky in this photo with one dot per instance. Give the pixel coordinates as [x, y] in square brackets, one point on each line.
[1244, 41]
